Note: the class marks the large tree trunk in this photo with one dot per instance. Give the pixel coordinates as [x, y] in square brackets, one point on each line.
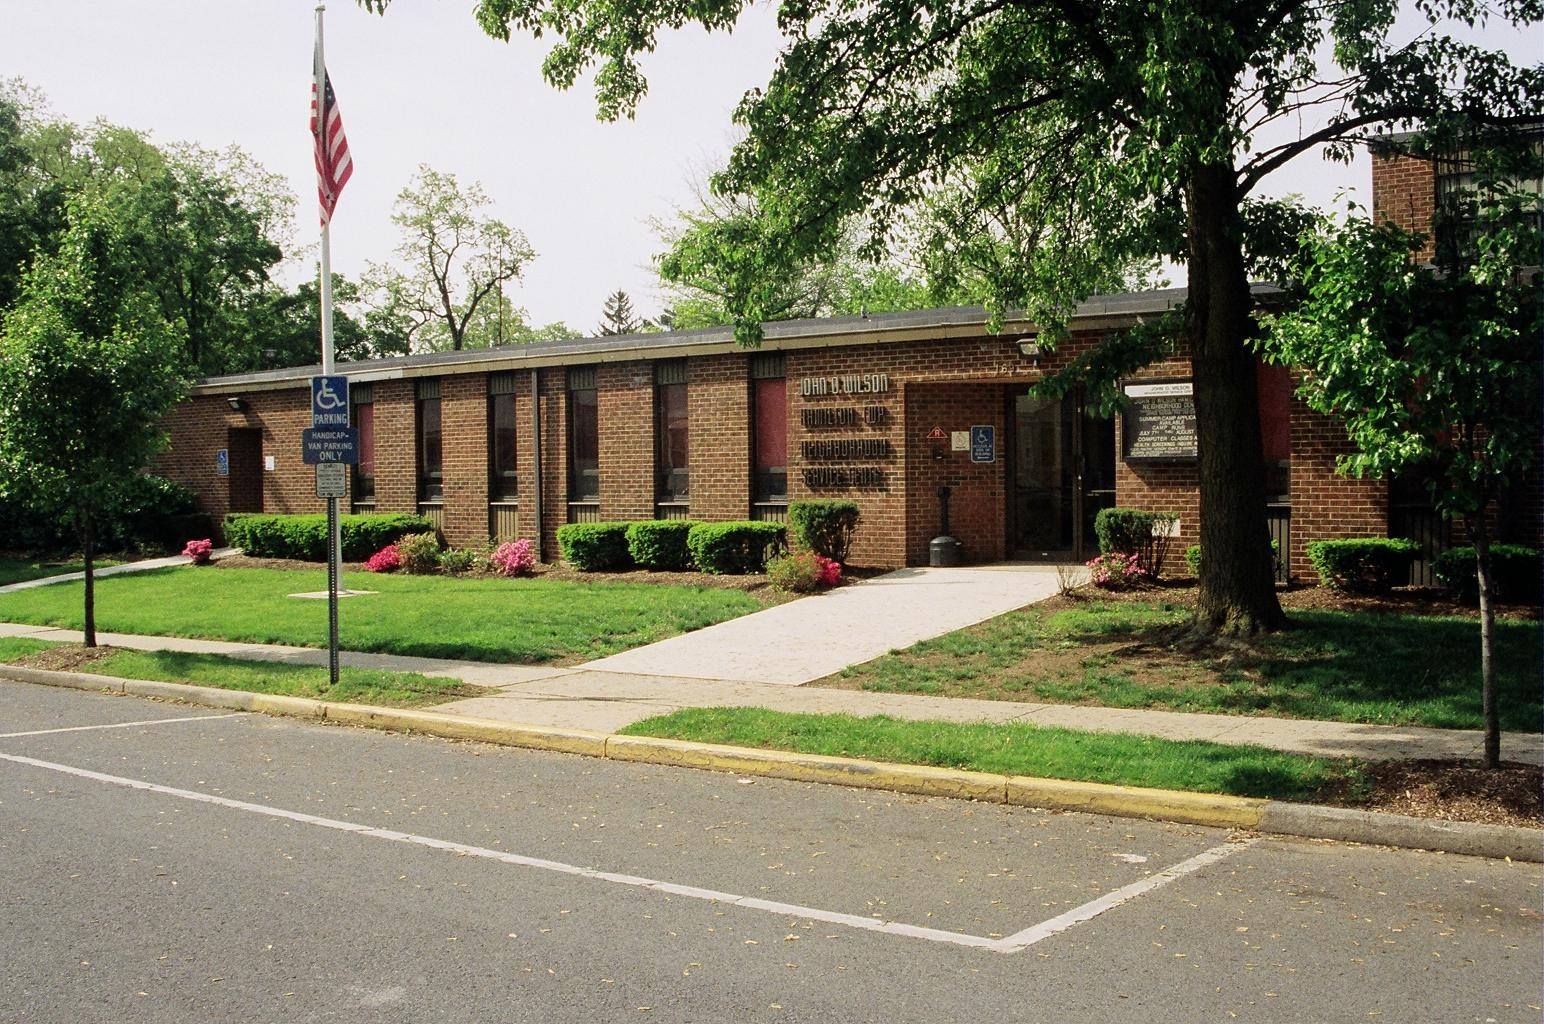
[1480, 534]
[1238, 588]
[88, 551]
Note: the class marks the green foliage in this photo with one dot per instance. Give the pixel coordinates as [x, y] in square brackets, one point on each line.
[1362, 565]
[797, 573]
[304, 537]
[825, 526]
[595, 547]
[419, 552]
[617, 316]
[1515, 567]
[460, 560]
[88, 367]
[150, 514]
[734, 548]
[660, 544]
[1134, 531]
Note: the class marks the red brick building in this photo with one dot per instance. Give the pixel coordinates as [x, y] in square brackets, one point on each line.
[884, 409]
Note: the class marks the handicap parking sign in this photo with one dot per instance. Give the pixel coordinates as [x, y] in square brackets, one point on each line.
[983, 443]
[329, 401]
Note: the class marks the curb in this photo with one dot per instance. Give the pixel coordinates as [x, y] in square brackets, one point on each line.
[1278, 817]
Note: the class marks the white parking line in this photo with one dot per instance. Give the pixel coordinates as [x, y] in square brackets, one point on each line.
[1011, 944]
[123, 725]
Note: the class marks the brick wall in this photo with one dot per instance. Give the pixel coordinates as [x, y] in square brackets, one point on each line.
[464, 420]
[625, 402]
[979, 490]
[1404, 193]
[396, 457]
[1324, 503]
[719, 436]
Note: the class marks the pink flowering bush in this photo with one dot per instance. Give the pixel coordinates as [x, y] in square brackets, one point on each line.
[385, 560]
[513, 558]
[199, 551]
[1118, 570]
[830, 570]
[804, 573]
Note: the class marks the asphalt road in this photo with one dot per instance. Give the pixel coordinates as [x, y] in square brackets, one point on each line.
[211, 867]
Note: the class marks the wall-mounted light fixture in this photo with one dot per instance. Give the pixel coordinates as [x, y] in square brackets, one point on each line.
[236, 403]
[1029, 346]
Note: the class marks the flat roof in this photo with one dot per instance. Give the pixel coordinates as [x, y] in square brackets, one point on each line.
[948, 322]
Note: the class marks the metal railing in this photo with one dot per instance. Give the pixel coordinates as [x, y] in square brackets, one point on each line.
[1278, 519]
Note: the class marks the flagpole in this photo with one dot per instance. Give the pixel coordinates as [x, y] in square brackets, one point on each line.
[334, 563]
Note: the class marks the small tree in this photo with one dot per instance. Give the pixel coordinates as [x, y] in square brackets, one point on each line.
[617, 316]
[1431, 369]
[88, 368]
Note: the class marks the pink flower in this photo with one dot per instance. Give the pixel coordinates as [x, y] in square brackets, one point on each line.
[830, 571]
[198, 550]
[385, 560]
[513, 558]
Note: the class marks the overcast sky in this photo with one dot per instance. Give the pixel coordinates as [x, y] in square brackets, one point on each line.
[424, 85]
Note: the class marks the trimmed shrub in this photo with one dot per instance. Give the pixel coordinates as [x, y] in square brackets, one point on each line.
[1362, 565]
[595, 547]
[457, 560]
[660, 544]
[151, 513]
[304, 537]
[513, 558]
[385, 560]
[734, 548]
[1135, 531]
[825, 526]
[1514, 571]
[419, 552]
[804, 573]
[1193, 556]
[198, 550]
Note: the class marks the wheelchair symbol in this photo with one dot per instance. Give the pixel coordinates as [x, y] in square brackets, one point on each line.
[326, 398]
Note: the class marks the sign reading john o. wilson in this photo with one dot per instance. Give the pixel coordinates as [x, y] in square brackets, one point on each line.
[1160, 422]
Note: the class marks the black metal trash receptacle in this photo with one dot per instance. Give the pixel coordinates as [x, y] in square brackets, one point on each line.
[943, 552]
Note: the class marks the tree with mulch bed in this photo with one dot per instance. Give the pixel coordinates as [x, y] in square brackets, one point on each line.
[1433, 370]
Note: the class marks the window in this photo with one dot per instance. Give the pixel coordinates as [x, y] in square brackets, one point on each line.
[502, 474]
[769, 428]
[1274, 384]
[431, 476]
[1462, 194]
[583, 436]
[363, 400]
[672, 482]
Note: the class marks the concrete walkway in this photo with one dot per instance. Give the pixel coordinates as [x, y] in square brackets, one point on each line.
[113, 570]
[813, 637]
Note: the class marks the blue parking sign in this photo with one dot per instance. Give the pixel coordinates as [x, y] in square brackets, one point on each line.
[983, 443]
[222, 462]
[329, 401]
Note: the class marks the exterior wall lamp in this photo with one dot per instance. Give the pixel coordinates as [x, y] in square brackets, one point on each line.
[1029, 346]
[236, 403]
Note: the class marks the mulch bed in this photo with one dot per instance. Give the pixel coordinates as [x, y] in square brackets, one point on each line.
[66, 658]
[1455, 790]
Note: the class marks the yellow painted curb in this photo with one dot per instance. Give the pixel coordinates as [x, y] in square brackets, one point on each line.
[781, 764]
[1131, 802]
[459, 727]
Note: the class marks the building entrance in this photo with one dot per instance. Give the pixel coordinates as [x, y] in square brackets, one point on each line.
[1061, 473]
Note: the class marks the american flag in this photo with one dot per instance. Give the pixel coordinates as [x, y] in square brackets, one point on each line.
[333, 164]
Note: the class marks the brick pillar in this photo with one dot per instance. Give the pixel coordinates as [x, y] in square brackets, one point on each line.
[1325, 504]
[464, 420]
[554, 457]
[625, 401]
[1404, 193]
[719, 436]
[396, 461]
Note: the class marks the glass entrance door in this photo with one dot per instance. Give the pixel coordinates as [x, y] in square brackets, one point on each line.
[1063, 473]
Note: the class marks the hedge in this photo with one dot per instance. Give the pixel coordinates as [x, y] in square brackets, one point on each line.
[1514, 573]
[1135, 531]
[1365, 565]
[660, 544]
[825, 526]
[1193, 556]
[152, 513]
[595, 547]
[304, 537]
[734, 548]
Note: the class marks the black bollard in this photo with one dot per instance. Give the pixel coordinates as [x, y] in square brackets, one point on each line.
[943, 550]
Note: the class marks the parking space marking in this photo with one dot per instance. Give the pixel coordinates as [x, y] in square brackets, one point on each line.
[1011, 944]
[123, 725]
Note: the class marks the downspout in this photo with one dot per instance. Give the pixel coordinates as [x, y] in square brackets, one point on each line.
[536, 451]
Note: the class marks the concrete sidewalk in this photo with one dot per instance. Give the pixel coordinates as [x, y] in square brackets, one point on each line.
[815, 636]
[113, 570]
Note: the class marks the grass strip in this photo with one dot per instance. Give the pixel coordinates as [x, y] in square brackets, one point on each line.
[18, 570]
[1013, 749]
[357, 685]
[529, 621]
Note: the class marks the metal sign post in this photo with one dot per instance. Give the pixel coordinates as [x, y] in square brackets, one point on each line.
[330, 442]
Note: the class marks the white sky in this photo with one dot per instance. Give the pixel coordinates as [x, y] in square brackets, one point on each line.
[424, 84]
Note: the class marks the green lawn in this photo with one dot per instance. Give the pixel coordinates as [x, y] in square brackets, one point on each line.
[1038, 751]
[1340, 666]
[529, 621]
[391, 689]
[16, 570]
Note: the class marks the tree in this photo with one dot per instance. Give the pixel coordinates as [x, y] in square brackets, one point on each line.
[89, 365]
[1435, 369]
[617, 316]
[457, 262]
[1121, 131]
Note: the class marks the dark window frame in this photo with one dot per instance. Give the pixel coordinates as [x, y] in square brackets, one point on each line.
[429, 458]
[503, 483]
[362, 483]
[672, 483]
[769, 484]
[583, 481]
